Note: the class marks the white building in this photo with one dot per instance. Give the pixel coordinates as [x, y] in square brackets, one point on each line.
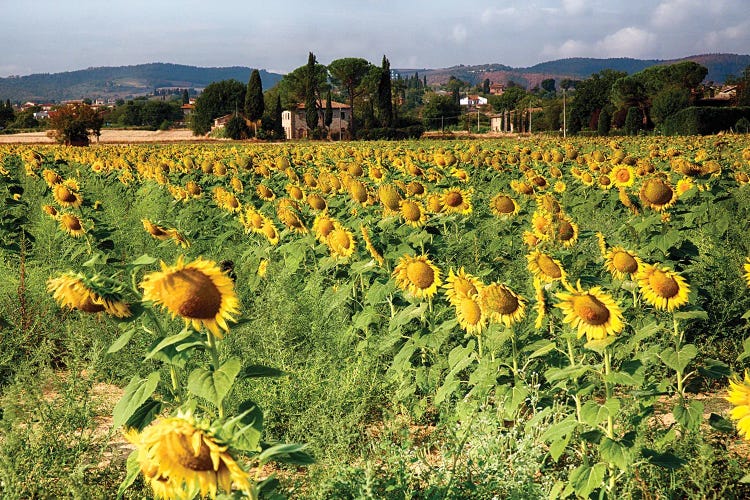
[473, 101]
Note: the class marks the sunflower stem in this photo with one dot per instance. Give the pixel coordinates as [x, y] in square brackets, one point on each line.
[479, 347]
[515, 355]
[215, 365]
[678, 345]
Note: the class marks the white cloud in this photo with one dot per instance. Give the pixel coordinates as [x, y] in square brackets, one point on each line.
[737, 33]
[493, 14]
[671, 13]
[627, 42]
[574, 7]
[459, 33]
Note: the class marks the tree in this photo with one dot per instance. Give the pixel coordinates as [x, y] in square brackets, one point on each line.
[604, 123]
[7, 115]
[668, 102]
[591, 96]
[385, 95]
[254, 105]
[633, 121]
[486, 86]
[328, 118]
[278, 124]
[236, 128]
[185, 96]
[440, 110]
[548, 85]
[349, 73]
[218, 99]
[73, 124]
[311, 95]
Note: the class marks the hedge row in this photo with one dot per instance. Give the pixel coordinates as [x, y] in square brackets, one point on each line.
[703, 121]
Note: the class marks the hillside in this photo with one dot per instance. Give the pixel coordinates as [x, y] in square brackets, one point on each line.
[720, 66]
[120, 81]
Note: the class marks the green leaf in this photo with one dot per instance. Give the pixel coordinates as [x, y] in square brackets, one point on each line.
[557, 447]
[169, 341]
[586, 479]
[121, 341]
[745, 479]
[616, 452]
[695, 314]
[593, 436]
[678, 361]
[720, 423]
[247, 429]
[569, 372]
[143, 260]
[136, 393]
[260, 371]
[689, 416]
[144, 415]
[133, 469]
[599, 345]
[593, 413]
[546, 347]
[212, 385]
[666, 460]
[279, 450]
[715, 369]
[560, 429]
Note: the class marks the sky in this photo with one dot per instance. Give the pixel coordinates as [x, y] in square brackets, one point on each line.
[51, 36]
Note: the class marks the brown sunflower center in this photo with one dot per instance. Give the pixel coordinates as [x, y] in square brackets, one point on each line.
[420, 274]
[622, 175]
[339, 239]
[590, 309]
[548, 266]
[470, 311]
[624, 262]
[411, 211]
[454, 199]
[657, 192]
[663, 285]
[502, 301]
[72, 222]
[316, 202]
[565, 231]
[193, 294]
[390, 198]
[189, 460]
[66, 195]
[87, 305]
[504, 205]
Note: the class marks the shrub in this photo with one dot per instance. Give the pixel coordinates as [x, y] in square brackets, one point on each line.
[703, 121]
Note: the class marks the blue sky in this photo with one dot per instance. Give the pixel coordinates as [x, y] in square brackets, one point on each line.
[64, 35]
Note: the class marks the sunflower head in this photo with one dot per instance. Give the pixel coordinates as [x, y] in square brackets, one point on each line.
[739, 395]
[199, 292]
[501, 304]
[413, 213]
[341, 242]
[66, 196]
[76, 291]
[657, 194]
[470, 315]
[456, 200]
[504, 206]
[418, 276]
[593, 313]
[71, 225]
[661, 287]
[620, 262]
[460, 285]
[544, 267]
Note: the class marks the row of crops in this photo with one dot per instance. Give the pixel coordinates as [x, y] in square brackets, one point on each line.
[583, 293]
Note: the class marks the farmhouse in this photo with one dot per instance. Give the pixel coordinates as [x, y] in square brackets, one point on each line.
[473, 101]
[295, 125]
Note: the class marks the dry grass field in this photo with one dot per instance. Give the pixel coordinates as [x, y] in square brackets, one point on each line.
[111, 137]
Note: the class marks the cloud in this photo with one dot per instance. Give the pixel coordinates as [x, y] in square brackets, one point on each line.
[626, 42]
[459, 33]
[737, 33]
[493, 14]
[672, 13]
[574, 7]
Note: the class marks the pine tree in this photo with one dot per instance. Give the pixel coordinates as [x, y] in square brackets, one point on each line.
[385, 95]
[311, 92]
[254, 104]
[328, 119]
[185, 97]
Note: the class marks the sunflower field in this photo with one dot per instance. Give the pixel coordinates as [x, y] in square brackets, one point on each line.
[528, 318]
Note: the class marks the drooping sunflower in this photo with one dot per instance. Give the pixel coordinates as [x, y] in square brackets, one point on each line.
[295, 192]
[457, 200]
[66, 197]
[322, 226]
[71, 225]
[158, 232]
[501, 304]
[460, 285]
[51, 177]
[620, 262]
[270, 232]
[389, 198]
[199, 292]
[657, 194]
[418, 276]
[265, 193]
[341, 242]
[50, 210]
[504, 206]
[74, 291]
[593, 313]
[291, 219]
[661, 287]
[566, 232]
[316, 202]
[370, 247]
[739, 395]
[180, 460]
[413, 213]
[470, 315]
[747, 271]
[544, 267]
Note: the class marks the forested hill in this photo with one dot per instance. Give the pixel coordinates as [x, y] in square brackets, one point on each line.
[720, 66]
[120, 81]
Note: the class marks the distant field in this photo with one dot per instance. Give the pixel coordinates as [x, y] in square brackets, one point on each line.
[110, 136]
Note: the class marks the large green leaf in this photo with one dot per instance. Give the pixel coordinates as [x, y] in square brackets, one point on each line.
[136, 393]
[214, 385]
[689, 416]
[678, 360]
[666, 460]
[133, 470]
[592, 413]
[587, 479]
[619, 453]
[172, 340]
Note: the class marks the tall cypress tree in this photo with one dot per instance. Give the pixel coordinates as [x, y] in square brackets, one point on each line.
[185, 96]
[329, 110]
[311, 92]
[254, 104]
[278, 126]
[385, 95]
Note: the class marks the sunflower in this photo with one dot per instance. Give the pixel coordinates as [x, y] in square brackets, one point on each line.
[544, 267]
[739, 395]
[158, 232]
[418, 276]
[661, 287]
[389, 198]
[623, 176]
[747, 270]
[295, 192]
[357, 191]
[341, 242]
[458, 286]
[264, 192]
[322, 227]
[460, 174]
[270, 232]
[456, 200]
[71, 225]
[413, 213]
[49, 210]
[560, 187]
[370, 247]
[316, 202]
[252, 220]
[620, 262]
[198, 292]
[504, 206]
[66, 197]
[263, 268]
[193, 189]
[501, 304]
[657, 194]
[602, 243]
[684, 185]
[530, 239]
[291, 220]
[540, 306]
[180, 460]
[434, 203]
[51, 177]
[75, 292]
[593, 312]
[470, 315]
[543, 224]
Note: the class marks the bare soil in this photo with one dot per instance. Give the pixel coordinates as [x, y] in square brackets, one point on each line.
[113, 137]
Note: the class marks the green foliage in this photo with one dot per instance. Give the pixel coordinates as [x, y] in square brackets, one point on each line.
[703, 121]
[73, 124]
[633, 121]
[440, 111]
[218, 99]
[604, 123]
[254, 105]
